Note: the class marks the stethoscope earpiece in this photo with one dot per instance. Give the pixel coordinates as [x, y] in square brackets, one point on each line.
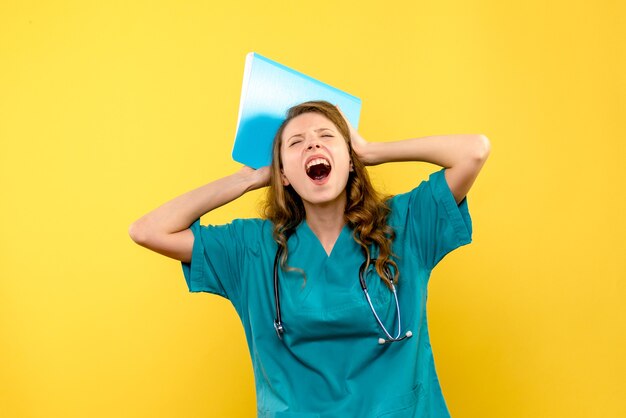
[408, 334]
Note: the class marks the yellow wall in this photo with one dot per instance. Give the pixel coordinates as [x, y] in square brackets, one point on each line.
[109, 109]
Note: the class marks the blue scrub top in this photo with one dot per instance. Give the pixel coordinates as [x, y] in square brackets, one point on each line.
[329, 363]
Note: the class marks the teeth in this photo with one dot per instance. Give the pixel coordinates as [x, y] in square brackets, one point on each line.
[317, 161]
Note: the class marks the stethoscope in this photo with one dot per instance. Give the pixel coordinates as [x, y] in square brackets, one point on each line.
[278, 322]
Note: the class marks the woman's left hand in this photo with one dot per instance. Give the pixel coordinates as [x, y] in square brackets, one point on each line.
[359, 145]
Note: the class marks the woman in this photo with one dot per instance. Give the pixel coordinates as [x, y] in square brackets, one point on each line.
[322, 345]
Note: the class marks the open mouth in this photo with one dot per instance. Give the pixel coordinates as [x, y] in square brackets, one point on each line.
[318, 169]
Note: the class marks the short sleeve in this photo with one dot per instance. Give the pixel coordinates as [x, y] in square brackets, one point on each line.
[216, 258]
[434, 222]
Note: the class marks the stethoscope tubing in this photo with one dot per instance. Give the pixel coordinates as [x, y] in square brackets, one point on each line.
[278, 322]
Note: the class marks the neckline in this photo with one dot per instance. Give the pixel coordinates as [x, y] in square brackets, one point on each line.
[344, 230]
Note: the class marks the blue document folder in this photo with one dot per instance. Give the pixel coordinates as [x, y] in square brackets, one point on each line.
[269, 89]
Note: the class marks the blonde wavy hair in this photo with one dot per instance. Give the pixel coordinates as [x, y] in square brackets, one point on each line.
[366, 210]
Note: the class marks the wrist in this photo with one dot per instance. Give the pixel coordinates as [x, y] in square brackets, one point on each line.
[371, 153]
[252, 179]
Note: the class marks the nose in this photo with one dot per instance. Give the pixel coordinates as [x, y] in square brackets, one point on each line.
[313, 144]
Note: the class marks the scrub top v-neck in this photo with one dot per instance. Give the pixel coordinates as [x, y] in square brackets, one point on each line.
[329, 363]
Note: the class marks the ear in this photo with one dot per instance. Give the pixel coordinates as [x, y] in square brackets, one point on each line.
[284, 178]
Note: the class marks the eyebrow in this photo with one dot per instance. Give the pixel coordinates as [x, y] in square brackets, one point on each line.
[317, 130]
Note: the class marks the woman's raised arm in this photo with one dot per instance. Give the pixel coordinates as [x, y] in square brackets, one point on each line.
[463, 156]
[166, 229]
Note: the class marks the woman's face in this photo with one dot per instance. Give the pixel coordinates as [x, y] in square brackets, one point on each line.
[316, 160]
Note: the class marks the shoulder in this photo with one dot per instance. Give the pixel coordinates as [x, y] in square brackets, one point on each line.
[251, 225]
[420, 201]
[240, 229]
[435, 183]
[400, 201]
[249, 222]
